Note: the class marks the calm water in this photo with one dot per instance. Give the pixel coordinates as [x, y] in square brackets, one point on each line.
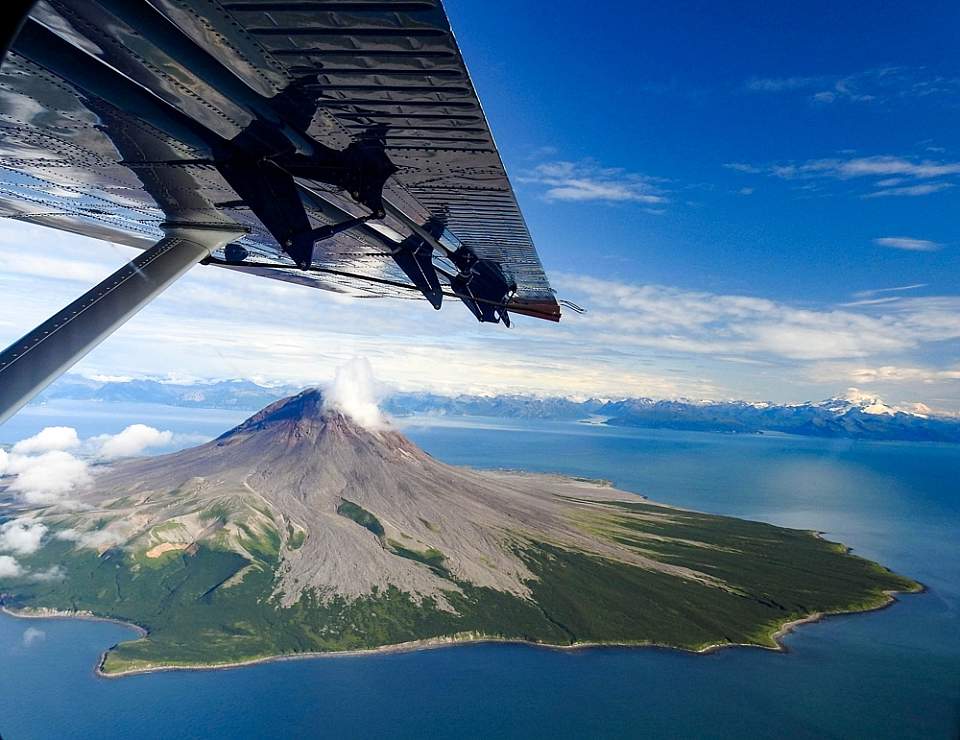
[893, 673]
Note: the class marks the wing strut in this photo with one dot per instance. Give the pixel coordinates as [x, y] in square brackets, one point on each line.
[34, 361]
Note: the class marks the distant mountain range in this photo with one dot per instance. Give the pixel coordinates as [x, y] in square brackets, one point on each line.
[855, 415]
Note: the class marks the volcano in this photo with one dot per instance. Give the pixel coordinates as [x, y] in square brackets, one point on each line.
[301, 531]
[345, 500]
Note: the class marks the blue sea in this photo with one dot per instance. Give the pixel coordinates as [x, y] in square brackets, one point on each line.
[893, 673]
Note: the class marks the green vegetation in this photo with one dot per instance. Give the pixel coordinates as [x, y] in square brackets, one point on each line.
[295, 537]
[217, 511]
[361, 516]
[431, 557]
[764, 577]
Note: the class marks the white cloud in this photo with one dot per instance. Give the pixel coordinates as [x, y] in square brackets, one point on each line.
[588, 181]
[908, 243]
[881, 84]
[745, 167]
[781, 84]
[888, 175]
[32, 635]
[874, 166]
[50, 438]
[30, 265]
[4, 460]
[48, 478]
[9, 567]
[131, 441]
[865, 375]
[355, 392]
[910, 191]
[704, 323]
[22, 536]
[115, 533]
[53, 573]
[105, 378]
[701, 349]
[894, 289]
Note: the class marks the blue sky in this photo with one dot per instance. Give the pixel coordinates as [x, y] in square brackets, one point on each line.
[675, 91]
[753, 200]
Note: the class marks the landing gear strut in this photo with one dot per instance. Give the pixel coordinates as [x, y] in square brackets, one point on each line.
[34, 361]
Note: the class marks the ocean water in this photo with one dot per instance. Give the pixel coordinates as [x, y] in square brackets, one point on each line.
[893, 673]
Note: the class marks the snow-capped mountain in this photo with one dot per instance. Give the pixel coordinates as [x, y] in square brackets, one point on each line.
[855, 414]
[855, 399]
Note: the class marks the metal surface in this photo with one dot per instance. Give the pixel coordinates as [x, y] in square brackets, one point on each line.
[32, 362]
[117, 115]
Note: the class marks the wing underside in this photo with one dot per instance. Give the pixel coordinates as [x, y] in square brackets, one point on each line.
[117, 116]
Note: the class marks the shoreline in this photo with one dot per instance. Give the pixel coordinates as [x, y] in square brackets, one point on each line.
[46, 613]
[777, 636]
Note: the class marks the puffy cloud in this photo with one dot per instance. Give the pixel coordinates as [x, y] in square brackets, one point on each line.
[43, 472]
[48, 439]
[32, 635]
[9, 567]
[48, 478]
[355, 392]
[22, 536]
[131, 441]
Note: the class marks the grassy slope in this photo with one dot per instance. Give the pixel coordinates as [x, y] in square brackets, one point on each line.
[774, 575]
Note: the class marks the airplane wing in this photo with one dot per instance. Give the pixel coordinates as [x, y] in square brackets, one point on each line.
[343, 138]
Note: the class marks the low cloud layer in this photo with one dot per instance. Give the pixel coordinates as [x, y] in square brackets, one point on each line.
[9, 567]
[48, 478]
[41, 472]
[21, 536]
[116, 533]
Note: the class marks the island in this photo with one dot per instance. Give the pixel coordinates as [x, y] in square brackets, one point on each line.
[300, 532]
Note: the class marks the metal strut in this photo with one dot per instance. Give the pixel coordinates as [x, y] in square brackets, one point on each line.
[37, 359]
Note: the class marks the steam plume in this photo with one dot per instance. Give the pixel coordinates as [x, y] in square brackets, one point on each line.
[356, 393]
